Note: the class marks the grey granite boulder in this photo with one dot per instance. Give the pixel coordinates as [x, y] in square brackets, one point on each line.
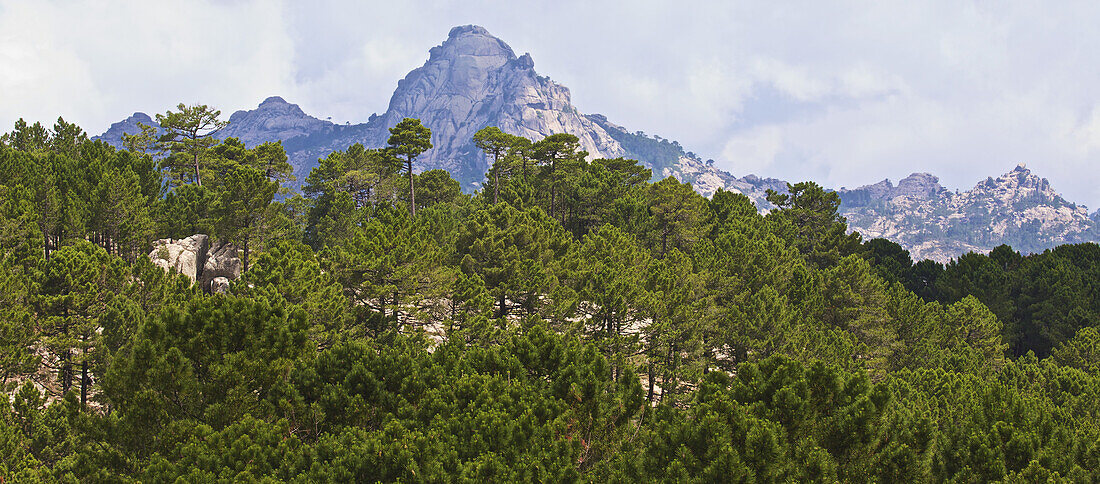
[222, 261]
[186, 256]
[210, 266]
[219, 285]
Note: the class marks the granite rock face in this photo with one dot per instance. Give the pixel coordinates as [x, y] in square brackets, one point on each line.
[474, 80]
[222, 261]
[187, 256]
[219, 285]
[470, 81]
[195, 258]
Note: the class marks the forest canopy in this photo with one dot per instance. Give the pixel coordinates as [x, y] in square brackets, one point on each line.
[573, 320]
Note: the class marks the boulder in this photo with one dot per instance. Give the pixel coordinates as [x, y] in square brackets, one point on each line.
[222, 261]
[212, 267]
[187, 256]
[219, 285]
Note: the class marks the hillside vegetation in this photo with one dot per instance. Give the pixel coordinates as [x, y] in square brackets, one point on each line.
[571, 321]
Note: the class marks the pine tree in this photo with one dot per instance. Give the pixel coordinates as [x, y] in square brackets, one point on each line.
[80, 282]
[187, 135]
[408, 139]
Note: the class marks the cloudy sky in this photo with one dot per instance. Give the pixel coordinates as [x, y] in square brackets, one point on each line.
[841, 93]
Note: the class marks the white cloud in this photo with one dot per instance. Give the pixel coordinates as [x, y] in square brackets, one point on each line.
[793, 80]
[93, 62]
[755, 150]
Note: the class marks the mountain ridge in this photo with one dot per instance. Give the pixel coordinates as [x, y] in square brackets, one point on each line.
[473, 79]
[1017, 208]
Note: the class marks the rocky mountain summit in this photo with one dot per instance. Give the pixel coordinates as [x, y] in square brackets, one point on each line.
[273, 120]
[1018, 208]
[113, 135]
[470, 81]
[474, 80]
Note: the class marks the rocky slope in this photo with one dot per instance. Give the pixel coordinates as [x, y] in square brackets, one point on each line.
[1018, 208]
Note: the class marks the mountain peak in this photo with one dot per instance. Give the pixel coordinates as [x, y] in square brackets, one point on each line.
[1020, 172]
[113, 135]
[473, 80]
[1021, 178]
[525, 62]
[472, 40]
[275, 105]
[468, 29]
[273, 100]
[915, 187]
[273, 120]
[920, 186]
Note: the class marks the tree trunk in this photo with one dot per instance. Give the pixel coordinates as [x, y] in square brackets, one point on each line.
[66, 360]
[244, 254]
[652, 376]
[496, 183]
[66, 371]
[618, 347]
[553, 190]
[382, 307]
[668, 371]
[198, 177]
[396, 314]
[84, 381]
[412, 190]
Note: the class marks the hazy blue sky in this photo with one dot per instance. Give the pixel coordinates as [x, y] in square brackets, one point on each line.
[841, 93]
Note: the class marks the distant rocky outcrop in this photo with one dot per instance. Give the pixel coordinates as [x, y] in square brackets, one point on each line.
[470, 81]
[474, 80]
[113, 135]
[918, 186]
[707, 180]
[273, 120]
[1018, 208]
[210, 266]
